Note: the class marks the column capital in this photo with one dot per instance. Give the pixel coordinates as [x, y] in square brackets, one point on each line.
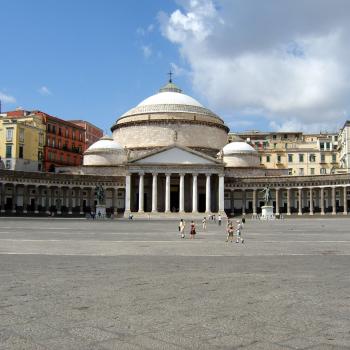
[154, 173]
[141, 173]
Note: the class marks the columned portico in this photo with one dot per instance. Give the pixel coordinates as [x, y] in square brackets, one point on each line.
[221, 194]
[127, 192]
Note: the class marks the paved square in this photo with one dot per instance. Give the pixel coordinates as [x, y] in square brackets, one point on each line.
[78, 284]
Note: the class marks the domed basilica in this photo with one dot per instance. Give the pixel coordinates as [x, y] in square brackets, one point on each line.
[174, 155]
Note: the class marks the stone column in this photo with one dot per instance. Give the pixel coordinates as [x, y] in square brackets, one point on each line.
[141, 192]
[277, 193]
[70, 201]
[322, 200]
[59, 200]
[232, 202]
[300, 201]
[167, 193]
[47, 200]
[221, 194]
[345, 199]
[194, 193]
[207, 194]
[254, 201]
[25, 199]
[81, 200]
[14, 198]
[288, 201]
[244, 201]
[36, 202]
[334, 206]
[182, 194]
[53, 202]
[311, 202]
[154, 192]
[92, 199]
[115, 200]
[127, 192]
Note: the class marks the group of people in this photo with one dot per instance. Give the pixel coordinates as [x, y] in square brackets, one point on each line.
[237, 228]
[231, 229]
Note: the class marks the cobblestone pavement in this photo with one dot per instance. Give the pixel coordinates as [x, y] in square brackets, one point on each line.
[79, 284]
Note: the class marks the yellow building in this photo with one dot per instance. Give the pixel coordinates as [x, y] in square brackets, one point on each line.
[21, 142]
[301, 154]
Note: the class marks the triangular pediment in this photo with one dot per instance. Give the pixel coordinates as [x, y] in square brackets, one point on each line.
[175, 155]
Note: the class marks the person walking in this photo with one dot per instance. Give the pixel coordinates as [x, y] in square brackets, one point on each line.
[229, 232]
[182, 226]
[204, 223]
[192, 230]
[219, 220]
[239, 232]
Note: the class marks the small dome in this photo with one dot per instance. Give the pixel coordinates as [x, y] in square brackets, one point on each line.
[238, 147]
[105, 143]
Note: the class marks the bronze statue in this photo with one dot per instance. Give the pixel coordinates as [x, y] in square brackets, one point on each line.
[267, 195]
[100, 194]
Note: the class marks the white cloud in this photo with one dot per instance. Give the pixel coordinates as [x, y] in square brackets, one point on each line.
[44, 91]
[144, 31]
[146, 50]
[284, 60]
[7, 98]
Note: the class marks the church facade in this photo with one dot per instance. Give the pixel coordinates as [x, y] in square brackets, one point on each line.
[169, 157]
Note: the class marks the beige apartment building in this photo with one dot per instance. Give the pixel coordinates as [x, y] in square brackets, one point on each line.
[298, 153]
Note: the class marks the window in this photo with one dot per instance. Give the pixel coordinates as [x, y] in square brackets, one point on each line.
[8, 164]
[286, 145]
[290, 171]
[328, 145]
[301, 158]
[53, 142]
[301, 171]
[285, 136]
[274, 137]
[73, 135]
[260, 159]
[9, 134]
[312, 171]
[322, 145]
[21, 135]
[59, 131]
[48, 141]
[335, 138]
[275, 145]
[312, 158]
[323, 171]
[54, 129]
[268, 158]
[41, 140]
[278, 158]
[67, 133]
[59, 143]
[40, 155]
[323, 158]
[8, 151]
[290, 158]
[80, 137]
[334, 158]
[20, 155]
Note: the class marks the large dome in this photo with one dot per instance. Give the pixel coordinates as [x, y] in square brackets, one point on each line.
[170, 116]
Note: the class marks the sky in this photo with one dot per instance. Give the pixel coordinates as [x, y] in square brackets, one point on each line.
[262, 65]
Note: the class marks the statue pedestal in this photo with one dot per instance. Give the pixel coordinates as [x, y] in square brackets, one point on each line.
[100, 211]
[267, 212]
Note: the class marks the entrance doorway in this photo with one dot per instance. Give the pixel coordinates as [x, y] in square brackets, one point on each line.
[201, 202]
[174, 198]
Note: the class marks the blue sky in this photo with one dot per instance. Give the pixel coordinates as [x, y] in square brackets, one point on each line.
[89, 55]
[268, 65]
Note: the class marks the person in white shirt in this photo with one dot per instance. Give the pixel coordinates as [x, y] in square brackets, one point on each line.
[239, 232]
